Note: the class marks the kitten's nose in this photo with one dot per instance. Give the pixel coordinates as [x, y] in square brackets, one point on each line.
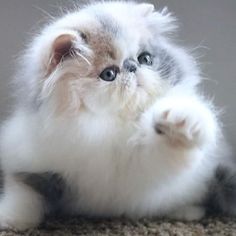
[130, 65]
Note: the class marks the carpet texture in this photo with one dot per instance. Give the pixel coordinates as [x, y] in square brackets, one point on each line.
[210, 226]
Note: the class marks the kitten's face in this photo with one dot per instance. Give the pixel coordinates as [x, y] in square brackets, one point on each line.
[104, 61]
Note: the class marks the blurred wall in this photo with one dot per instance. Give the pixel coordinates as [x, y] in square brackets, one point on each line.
[209, 25]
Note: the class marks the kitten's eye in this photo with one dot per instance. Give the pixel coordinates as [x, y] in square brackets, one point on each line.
[110, 73]
[145, 58]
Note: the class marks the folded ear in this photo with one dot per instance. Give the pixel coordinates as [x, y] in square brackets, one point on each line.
[146, 8]
[62, 48]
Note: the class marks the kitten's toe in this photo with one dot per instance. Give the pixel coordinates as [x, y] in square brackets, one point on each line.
[188, 213]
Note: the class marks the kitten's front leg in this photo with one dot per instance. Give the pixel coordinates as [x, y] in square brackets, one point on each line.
[178, 133]
[20, 206]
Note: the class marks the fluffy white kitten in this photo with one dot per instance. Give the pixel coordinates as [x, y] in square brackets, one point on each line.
[108, 121]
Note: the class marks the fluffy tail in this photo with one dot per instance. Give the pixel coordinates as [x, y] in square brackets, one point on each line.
[222, 192]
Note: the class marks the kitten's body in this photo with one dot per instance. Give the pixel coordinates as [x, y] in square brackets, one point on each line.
[144, 144]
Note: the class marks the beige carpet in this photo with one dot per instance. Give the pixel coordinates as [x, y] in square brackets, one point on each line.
[211, 226]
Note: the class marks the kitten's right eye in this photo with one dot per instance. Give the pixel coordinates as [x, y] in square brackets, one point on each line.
[145, 58]
[110, 73]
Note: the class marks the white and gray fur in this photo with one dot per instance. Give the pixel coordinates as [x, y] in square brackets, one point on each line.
[146, 144]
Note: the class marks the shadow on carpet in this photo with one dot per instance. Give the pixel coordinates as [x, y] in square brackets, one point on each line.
[78, 226]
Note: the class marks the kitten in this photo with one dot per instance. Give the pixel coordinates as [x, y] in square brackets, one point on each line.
[110, 122]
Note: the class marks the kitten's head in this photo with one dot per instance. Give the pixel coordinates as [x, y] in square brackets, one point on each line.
[107, 57]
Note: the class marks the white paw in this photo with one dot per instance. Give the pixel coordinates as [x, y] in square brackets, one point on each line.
[179, 128]
[20, 207]
[18, 216]
[184, 124]
[15, 223]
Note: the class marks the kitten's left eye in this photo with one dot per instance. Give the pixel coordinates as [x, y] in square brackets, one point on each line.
[145, 58]
[110, 73]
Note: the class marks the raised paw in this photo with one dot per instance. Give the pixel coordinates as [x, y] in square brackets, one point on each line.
[184, 125]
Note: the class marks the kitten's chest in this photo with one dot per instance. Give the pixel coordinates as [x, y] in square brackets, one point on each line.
[98, 164]
[92, 142]
[99, 154]
[103, 131]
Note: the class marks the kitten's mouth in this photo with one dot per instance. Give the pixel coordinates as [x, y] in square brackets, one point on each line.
[139, 84]
[133, 78]
[138, 80]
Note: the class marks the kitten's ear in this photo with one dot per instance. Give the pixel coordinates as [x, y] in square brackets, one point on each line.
[62, 48]
[162, 22]
[146, 8]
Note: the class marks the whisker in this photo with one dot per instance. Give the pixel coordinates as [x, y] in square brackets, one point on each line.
[199, 46]
[83, 57]
[44, 12]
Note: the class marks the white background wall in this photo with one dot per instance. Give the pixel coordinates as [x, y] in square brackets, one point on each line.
[209, 23]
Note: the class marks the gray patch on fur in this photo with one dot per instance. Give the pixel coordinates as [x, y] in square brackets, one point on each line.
[167, 66]
[108, 25]
[50, 185]
[222, 192]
